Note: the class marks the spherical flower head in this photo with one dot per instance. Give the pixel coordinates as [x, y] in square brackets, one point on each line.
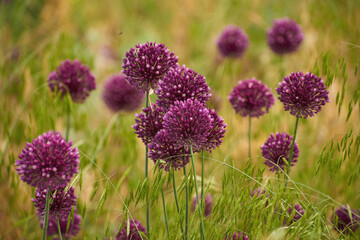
[149, 123]
[164, 149]
[237, 236]
[251, 98]
[232, 42]
[48, 162]
[299, 212]
[302, 95]
[73, 230]
[276, 148]
[188, 123]
[182, 83]
[145, 64]
[63, 200]
[208, 204]
[119, 95]
[216, 132]
[285, 36]
[347, 218]
[135, 227]
[73, 78]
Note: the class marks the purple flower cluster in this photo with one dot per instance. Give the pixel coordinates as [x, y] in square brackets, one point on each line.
[299, 212]
[207, 206]
[251, 98]
[73, 78]
[48, 162]
[135, 227]
[119, 95]
[232, 42]
[145, 64]
[285, 36]
[237, 236]
[276, 148]
[302, 95]
[346, 218]
[73, 230]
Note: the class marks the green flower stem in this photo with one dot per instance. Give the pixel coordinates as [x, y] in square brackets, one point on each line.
[249, 135]
[46, 219]
[292, 144]
[59, 229]
[68, 120]
[165, 215]
[202, 230]
[146, 176]
[186, 205]
[202, 179]
[176, 199]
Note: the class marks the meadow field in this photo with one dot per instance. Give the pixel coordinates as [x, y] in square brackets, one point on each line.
[36, 36]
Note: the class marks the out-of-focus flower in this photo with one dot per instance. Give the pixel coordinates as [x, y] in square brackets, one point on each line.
[49, 162]
[251, 98]
[207, 206]
[232, 42]
[74, 226]
[285, 36]
[73, 78]
[346, 218]
[135, 228]
[119, 95]
[259, 193]
[302, 95]
[276, 148]
[237, 236]
[145, 64]
[299, 212]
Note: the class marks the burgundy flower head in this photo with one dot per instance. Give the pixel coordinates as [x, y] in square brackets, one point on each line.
[251, 98]
[145, 64]
[74, 78]
[276, 148]
[164, 149]
[302, 95]
[149, 123]
[179, 84]
[299, 212]
[62, 202]
[135, 227]
[73, 230]
[208, 204]
[237, 236]
[285, 36]
[347, 218]
[48, 162]
[232, 42]
[216, 132]
[120, 95]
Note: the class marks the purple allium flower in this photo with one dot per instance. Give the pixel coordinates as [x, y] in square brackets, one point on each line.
[259, 193]
[217, 131]
[145, 64]
[285, 36]
[120, 95]
[207, 206]
[73, 230]
[302, 95]
[135, 227]
[251, 98]
[188, 123]
[148, 123]
[276, 148]
[48, 162]
[72, 77]
[62, 202]
[299, 212]
[347, 218]
[233, 42]
[179, 84]
[163, 149]
[237, 236]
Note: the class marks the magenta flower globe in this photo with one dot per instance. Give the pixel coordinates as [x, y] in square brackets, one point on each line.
[276, 149]
[346, 219]
[293, 217]
[251, 98]
[232, 42]
[49, 162]
[180, 84]
[303, 94]
[134, 231]
[216, 132]
[146, 64]
[119, 95]
[73, 78]
[72, 231]
[285, 36]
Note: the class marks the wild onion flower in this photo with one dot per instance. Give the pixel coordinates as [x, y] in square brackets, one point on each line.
[251, 98]
[237, 236]
[285, 36]
[145, 64]
[163, 149]
[180, 84]
[233, 42]
[62, 201]
[207, 206]
[48, 162]
[119, 95]
[135, 227]
[347, 218]
[216, 132]
[299, 212]
[149, 123]
[302, 95]
[276, 149]
[74, 78]
[73, 230]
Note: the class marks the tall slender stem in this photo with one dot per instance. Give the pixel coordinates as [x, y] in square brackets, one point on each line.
[186, 205]
[46, 219]
[176, 199]
[202, 229]
[68, 120]
[202, 179]
[249, 135]
[165, 215]
[292, 144]
[59, 229]
[146, 176]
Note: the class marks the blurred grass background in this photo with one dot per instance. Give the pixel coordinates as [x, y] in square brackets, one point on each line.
[36, 36]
